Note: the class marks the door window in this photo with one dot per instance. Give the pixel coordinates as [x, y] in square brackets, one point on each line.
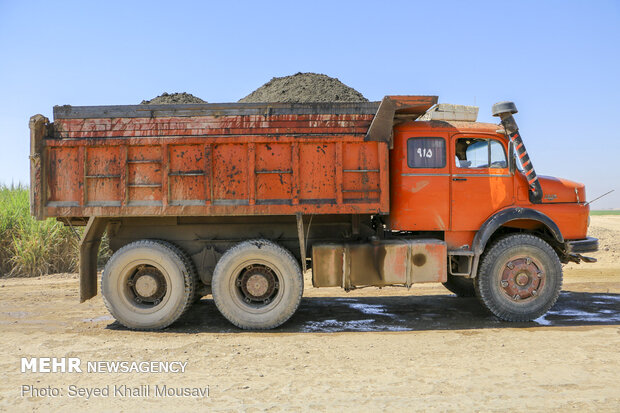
[426, 153]
[479, 153]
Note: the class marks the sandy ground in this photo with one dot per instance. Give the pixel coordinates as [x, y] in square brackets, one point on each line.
[421, 349]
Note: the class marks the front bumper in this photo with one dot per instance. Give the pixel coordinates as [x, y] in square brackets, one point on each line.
[579, 246]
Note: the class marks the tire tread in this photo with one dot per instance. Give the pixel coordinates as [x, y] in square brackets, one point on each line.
[481, 283]
[189, 278]
[218, 278]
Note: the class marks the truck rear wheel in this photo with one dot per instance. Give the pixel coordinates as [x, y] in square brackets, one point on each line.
[147, 285]
[461, 286]
[520, 278]
[257, 285]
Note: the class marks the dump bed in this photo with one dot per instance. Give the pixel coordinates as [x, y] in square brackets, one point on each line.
[208, 159]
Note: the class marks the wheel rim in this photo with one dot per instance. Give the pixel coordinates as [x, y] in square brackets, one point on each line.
[257, 286]
[522, 278]
[144, 286]
[148, 285]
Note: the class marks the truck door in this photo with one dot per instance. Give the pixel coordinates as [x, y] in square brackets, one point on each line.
[481, 180]
[420, 182]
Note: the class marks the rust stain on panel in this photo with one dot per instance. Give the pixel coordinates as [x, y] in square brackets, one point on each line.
[388, 262]
[317, 171]
[251, 173]
[230, 172]
[312, 164]
[428, 261]
[63, 174]
[186, 173]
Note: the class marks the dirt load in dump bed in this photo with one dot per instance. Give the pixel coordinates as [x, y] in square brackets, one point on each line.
[304, 87]
[173, 98]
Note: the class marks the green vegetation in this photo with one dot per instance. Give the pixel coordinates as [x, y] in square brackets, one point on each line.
[606, 212]
[30, 248]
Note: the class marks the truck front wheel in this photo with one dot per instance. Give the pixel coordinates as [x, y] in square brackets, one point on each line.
[257, 285]
[148, 284]
[520, 278]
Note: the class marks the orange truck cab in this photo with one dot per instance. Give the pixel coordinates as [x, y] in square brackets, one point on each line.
[238, 200]
[460, 178]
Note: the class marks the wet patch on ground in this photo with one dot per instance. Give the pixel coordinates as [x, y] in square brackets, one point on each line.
[409, 313]
[597, 309]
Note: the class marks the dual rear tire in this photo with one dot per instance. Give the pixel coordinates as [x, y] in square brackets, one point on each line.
[257, 285]
[149, 284]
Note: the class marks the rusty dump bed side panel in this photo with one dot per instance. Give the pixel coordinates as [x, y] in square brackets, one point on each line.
[208, 159]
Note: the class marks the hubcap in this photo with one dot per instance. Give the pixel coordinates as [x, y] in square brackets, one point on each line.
[258, 284]
[148, 285]
[522, 278]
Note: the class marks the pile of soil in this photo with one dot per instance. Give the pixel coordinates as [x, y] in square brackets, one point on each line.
[173, 98]
[304, 87]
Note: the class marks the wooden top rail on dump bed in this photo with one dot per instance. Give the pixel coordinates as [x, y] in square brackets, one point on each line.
[214, 159]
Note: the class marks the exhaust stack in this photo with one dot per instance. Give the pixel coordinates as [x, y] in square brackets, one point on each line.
[505, 110]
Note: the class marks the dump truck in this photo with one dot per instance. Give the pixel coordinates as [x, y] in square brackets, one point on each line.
[239, 200]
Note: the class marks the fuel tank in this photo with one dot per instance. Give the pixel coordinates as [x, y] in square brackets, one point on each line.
[380, 263]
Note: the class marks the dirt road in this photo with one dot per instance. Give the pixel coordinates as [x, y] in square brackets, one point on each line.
[421, 349]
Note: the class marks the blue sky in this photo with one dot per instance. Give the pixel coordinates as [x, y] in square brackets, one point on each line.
[558, 60]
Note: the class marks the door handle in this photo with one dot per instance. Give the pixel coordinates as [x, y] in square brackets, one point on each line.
[459, 179]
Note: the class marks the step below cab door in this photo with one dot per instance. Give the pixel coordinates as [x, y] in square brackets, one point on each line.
[481, 180]
[420, 182]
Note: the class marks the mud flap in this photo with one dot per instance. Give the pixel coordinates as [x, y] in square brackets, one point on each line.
[89, 247]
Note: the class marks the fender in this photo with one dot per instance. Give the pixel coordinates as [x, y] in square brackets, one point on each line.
[510, 214]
